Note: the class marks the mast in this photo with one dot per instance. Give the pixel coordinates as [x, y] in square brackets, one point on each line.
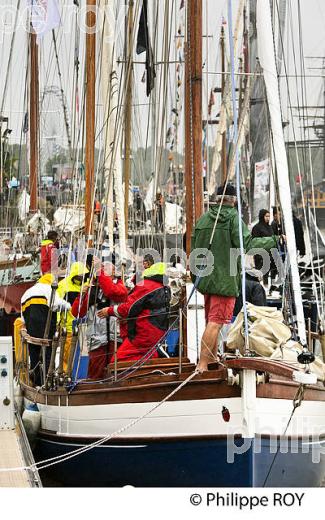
[153, 4]
[90, 116]
[223, 84]
[267, 59]
[128, 113]
[193, 117]
[33, 110]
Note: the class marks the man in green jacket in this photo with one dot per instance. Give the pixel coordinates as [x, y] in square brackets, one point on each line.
[222, 285]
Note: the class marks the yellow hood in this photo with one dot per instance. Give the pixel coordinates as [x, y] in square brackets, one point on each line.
[154, 270]
[78, 269]
[47, 279]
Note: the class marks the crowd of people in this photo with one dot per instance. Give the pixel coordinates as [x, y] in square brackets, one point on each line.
[136, 314]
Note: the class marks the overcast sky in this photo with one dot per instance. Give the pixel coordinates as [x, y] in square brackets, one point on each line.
[313, 32]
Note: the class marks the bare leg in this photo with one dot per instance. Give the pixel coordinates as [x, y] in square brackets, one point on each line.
[209, 345]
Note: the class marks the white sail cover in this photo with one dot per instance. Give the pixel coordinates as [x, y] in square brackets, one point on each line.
[149, 198]
[23, 205]
[131, 194]
[226, 112]
[173, 218]
[110, 90]
[69, 219]
[38, 222]
[267, 60]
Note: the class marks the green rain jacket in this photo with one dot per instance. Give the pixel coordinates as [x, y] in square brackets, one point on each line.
[226, 237]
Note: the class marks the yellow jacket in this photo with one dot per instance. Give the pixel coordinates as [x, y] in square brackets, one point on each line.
[69, 290]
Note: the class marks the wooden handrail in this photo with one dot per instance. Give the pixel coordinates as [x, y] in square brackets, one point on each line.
[35, 341]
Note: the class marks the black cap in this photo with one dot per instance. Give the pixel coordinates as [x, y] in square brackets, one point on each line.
[230, 190]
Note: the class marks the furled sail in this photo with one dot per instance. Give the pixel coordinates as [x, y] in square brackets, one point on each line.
[267, 60]
[112, 165]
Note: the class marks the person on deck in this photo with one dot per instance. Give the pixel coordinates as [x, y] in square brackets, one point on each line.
[299, 235]
[148, 261]
[100, 335]
[48, 249]
[221, 287]
[254, 291]
[146, 312]
[68, 289]
[264, 229]
[277, 226]
[35, 304]
[277, 222]
[158, 211]
[97, 210]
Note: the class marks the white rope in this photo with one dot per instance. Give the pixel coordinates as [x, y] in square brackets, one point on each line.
[62, 458]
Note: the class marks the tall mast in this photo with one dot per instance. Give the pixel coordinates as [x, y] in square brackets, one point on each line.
[128, 113]
[193, 117]
[33, 110]
[223, 83]
[90, 116]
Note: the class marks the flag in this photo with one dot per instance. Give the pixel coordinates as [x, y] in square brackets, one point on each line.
[143, 32]
[45, 16]
[144, 45]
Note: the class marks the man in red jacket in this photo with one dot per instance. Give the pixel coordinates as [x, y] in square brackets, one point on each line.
[146, 312]
[99, 333]
[48, 247]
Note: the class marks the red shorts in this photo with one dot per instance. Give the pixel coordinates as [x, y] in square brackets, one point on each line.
[219, 309]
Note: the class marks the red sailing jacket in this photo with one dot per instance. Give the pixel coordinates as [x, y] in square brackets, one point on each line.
[146, 311]
[116, 292]
[47, 246]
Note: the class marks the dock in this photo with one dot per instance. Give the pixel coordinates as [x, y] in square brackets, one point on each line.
[15, 451]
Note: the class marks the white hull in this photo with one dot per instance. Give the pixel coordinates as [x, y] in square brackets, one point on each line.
[185, 419]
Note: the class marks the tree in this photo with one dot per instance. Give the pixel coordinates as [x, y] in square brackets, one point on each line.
[60, 158]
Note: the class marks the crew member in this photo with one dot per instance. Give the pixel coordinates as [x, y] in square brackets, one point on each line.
[264, 229]
[254, 291]
[102, 293]
[220, 287]
[69, 288]
[48, 249]
[35, 306]
[147, 313]
[299, 235]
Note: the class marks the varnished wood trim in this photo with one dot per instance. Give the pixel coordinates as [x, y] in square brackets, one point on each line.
[155, 387]
[261, 365]
[195, 390]
[276, 389]
[174, 361]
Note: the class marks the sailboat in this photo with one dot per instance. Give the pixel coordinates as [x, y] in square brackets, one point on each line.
[247, 421]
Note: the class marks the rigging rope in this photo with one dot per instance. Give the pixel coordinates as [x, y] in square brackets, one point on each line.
[235, 136]
[64, 457]
[320, 305]
[296, 403]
